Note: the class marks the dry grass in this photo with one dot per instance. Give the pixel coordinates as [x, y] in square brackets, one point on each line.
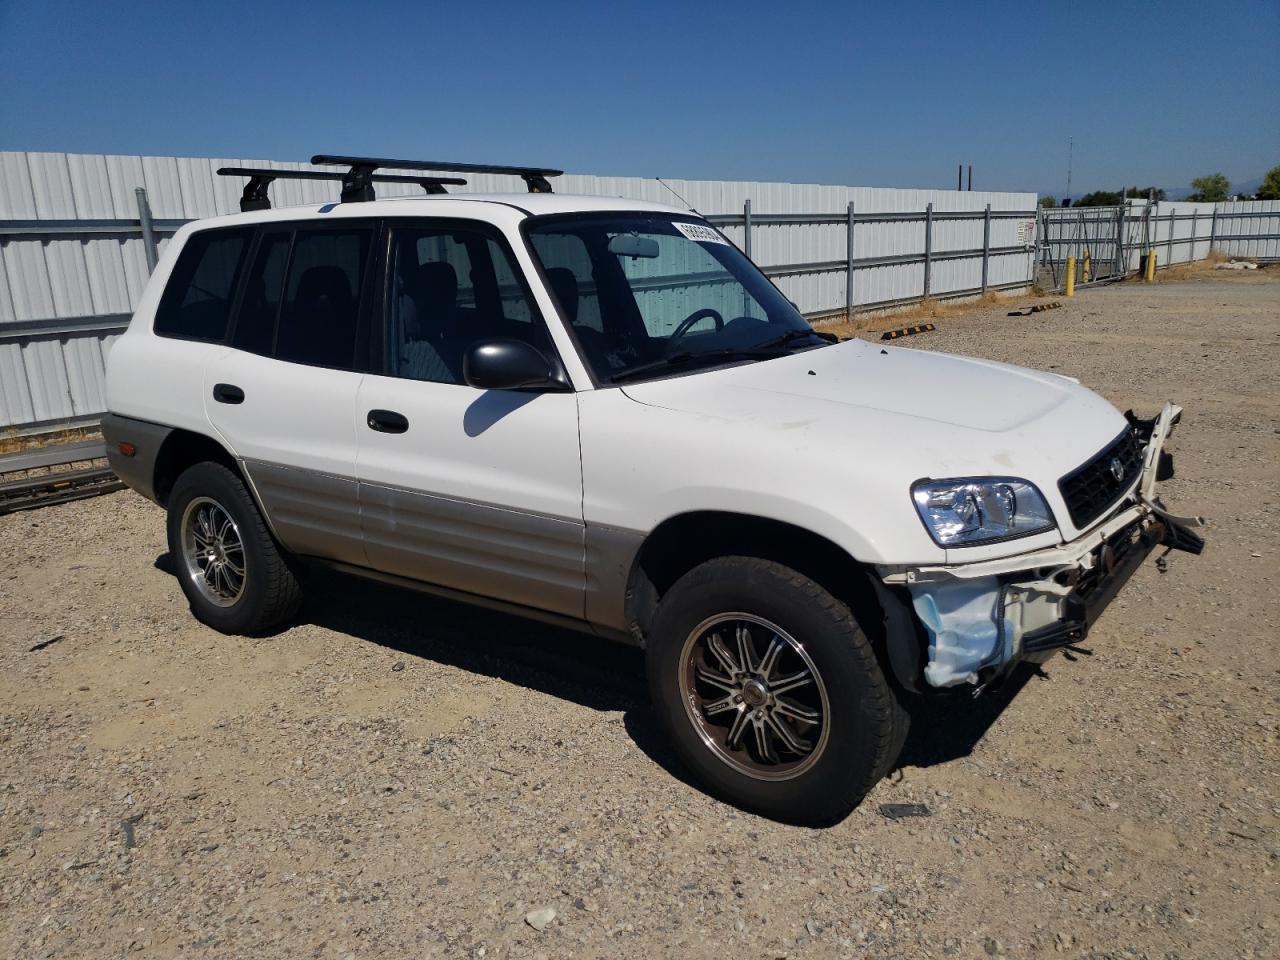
[13, 443]
[925, 312]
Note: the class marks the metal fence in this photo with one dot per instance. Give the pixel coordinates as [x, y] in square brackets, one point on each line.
[1116, 239]
[79, 234]
[945, 253]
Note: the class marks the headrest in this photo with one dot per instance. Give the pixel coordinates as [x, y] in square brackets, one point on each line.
[433, 285]
[565, 286]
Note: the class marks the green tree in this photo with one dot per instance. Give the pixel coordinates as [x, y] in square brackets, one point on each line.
[1112, 198]
[1210, 188]
[1099, 198]
[1270, 189]
[1142, 193]
[1050, 202]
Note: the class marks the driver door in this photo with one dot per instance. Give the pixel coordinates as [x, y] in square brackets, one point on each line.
[475, 490]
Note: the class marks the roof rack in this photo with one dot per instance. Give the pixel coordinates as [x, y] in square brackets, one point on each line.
[357, 183]
[255, 195]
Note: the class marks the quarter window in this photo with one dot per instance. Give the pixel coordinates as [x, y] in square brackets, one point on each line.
[196, 303]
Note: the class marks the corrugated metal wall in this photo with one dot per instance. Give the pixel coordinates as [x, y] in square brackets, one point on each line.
[1245, 229]
[63, 297]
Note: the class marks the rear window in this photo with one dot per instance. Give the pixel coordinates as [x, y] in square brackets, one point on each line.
[196, 303]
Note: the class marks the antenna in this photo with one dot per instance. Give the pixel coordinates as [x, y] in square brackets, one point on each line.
[1070, 149]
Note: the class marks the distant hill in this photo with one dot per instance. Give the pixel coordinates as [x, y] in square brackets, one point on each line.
[1247, 186]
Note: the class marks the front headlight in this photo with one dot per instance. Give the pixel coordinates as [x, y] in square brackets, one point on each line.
[973, 510]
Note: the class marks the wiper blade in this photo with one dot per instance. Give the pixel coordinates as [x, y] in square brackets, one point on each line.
[686, 357]
[783, 339]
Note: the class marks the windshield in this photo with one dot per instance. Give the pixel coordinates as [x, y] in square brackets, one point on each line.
[652, 295]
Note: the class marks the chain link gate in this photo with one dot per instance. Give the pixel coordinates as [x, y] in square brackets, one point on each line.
[1101, 239]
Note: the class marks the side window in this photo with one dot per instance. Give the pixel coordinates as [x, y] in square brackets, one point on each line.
[450, 288]
[196, 303]
[255, 327]
[319, 316]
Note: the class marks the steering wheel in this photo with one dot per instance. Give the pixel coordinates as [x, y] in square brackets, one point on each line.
[687, 323]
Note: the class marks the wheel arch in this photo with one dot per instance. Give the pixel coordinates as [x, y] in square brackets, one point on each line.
[185, 448]
[684, 541]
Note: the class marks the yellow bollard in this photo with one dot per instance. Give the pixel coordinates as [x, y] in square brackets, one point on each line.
[1071, 276]
[1150, 275]
[1087, 270]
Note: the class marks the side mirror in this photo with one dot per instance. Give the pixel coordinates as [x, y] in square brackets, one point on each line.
[510, 365]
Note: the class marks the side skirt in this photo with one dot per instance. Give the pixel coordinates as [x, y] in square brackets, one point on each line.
[475, 600]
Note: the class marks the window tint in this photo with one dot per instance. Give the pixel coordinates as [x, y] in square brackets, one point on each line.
[197, 299]
[255, 328]
[448, 290]
[318, 320]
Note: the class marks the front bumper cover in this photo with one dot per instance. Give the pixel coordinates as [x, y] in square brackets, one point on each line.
[982, 618]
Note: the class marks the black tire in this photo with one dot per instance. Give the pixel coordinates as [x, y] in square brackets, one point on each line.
[270, 592]
[901, 717]
[864, 724]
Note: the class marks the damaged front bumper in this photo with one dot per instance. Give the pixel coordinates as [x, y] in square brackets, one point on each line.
[982, 618]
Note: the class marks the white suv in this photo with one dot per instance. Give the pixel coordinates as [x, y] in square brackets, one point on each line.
[599, 412]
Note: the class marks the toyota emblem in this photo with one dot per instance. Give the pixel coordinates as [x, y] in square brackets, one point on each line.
[1117, 469]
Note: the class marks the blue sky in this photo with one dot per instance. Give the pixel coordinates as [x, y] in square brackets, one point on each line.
[885, 94]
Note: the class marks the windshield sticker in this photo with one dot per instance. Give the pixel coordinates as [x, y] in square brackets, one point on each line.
[699, 232]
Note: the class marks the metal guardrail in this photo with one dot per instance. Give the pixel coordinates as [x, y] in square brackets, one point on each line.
[52, 456]
[61, 326]
[32, 229]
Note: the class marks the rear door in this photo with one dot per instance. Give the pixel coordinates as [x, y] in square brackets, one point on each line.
[283, 395]
[476, 490]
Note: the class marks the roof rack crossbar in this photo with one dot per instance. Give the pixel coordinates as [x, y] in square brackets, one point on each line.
[356, 180]
[255, 196]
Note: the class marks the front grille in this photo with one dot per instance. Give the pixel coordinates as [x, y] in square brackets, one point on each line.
[1089, 490]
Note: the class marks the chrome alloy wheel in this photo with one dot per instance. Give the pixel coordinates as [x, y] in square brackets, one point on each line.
[212, 551]
[754, 696]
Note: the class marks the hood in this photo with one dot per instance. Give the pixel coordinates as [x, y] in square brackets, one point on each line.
[892, 415]
[939, 388]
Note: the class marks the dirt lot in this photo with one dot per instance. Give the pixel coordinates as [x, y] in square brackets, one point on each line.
[401, 777]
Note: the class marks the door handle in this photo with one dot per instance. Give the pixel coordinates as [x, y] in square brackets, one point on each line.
[227, 393]
[387, 421]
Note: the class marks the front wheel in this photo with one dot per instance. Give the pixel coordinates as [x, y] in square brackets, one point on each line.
[235, 576]
[770, 691]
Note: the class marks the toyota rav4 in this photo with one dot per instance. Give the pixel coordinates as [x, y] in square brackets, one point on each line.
[600, 413]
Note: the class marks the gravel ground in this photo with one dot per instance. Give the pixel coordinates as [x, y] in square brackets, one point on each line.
[397, 776]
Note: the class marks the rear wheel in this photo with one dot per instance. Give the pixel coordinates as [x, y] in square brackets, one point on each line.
[233, 573]
[770, 691]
